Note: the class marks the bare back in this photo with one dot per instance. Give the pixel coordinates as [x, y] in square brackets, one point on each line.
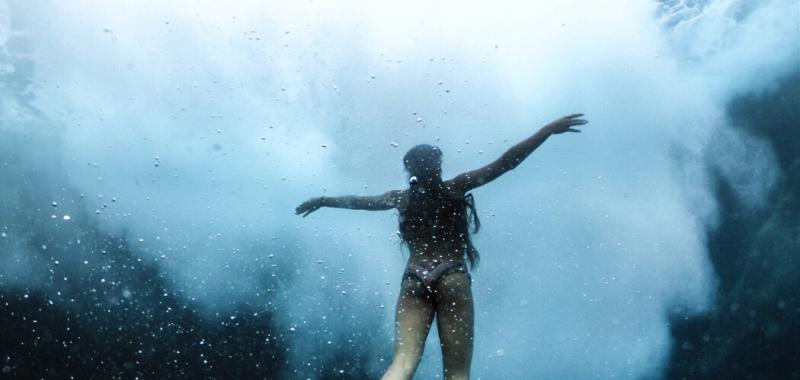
[436, 228]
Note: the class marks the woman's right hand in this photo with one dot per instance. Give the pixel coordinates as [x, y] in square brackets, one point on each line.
[566, 124]
[309, 206]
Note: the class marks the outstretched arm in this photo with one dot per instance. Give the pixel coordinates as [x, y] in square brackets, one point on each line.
[514, 156]
[385, 201]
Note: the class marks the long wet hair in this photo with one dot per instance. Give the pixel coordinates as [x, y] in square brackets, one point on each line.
[432, 209]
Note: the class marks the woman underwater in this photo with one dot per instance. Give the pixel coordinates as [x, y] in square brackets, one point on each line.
[434, 219]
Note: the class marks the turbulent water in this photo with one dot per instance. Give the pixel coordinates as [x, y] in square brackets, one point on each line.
[151, 156]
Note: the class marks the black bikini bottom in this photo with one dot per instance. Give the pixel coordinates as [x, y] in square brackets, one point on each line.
[430, 275]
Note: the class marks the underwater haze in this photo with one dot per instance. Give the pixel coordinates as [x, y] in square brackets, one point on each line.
[152, 155]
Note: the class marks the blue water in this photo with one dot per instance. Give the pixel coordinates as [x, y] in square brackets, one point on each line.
[152, 156]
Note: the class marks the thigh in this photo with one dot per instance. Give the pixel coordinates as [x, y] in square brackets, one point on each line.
[413, 319]
[455, 319]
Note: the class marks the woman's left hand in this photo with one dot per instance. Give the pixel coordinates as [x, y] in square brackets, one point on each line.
[566, 124]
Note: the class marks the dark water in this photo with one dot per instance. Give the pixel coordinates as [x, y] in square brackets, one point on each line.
[752, 330]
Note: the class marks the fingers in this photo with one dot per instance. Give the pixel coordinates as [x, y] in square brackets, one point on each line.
[305, 206]
[572, 120]
[301, 209]
[310, 210]
[566, 122]
[305, 209]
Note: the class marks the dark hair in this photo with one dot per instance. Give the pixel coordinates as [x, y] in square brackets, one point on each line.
[432, 209]
[423, 160]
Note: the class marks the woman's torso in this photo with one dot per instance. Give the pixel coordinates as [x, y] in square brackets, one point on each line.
[434, 224]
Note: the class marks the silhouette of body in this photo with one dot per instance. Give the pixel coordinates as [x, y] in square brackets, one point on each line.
[434, 221]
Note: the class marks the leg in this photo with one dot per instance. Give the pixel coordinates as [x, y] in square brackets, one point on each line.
[455, 316]
[413, 321]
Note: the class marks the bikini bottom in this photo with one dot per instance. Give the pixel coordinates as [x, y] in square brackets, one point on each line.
[431, 274]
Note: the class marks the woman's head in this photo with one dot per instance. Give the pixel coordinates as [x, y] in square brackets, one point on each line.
[423, 161]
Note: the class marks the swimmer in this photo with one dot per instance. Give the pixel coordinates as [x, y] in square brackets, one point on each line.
[435, 218]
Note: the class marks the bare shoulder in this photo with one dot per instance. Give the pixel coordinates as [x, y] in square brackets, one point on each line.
[455, 186]
[393, 198]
